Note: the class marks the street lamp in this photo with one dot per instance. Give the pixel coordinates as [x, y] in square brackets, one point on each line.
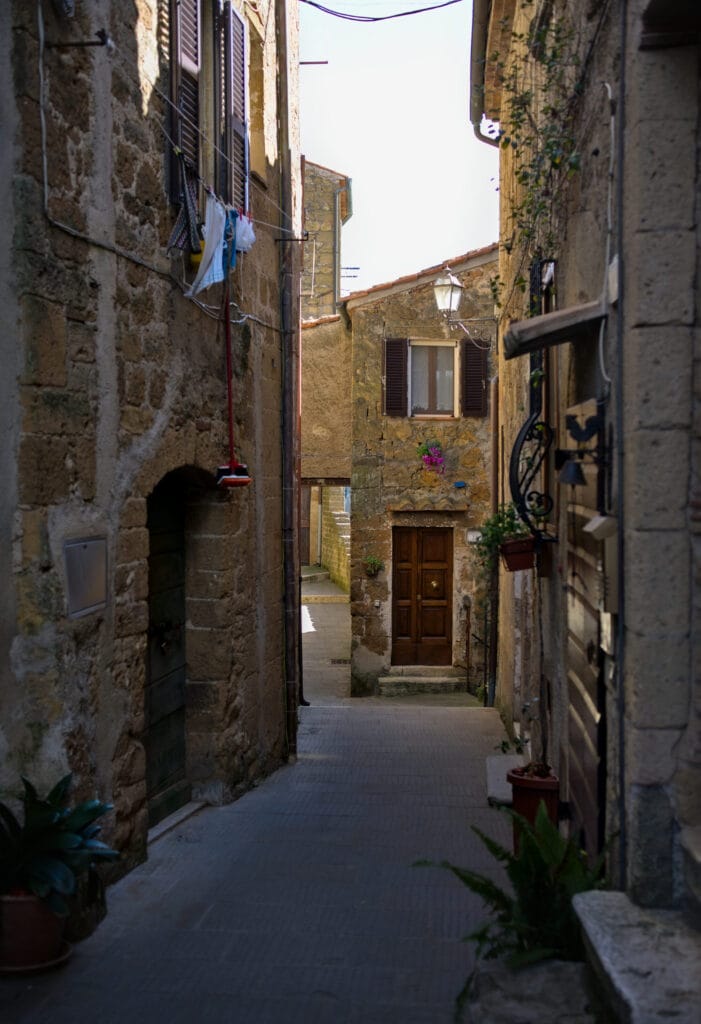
[448, 292]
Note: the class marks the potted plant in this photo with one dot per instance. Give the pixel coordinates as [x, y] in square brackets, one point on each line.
[41, 860]
[534, 919]
[431, 456]
[504, 533]
[373, 565]
[534, 782]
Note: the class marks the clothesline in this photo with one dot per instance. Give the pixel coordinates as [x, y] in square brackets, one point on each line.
[203, 135]
[208, 187]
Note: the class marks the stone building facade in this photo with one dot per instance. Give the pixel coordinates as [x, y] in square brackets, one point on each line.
[599, 291]
[148, 626]
[417, 521]
[328, 205]
[326, 417]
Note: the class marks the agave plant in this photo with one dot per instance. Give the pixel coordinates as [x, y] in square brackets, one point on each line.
[54, 845]
[534, 918]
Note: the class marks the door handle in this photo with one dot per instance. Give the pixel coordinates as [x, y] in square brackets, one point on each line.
[434, 584]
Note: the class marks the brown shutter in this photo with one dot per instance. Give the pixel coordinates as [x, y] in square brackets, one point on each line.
[221, 23]
[185, 88]
[239, 130]
[395, 378]
[473, 378]
[231, 163]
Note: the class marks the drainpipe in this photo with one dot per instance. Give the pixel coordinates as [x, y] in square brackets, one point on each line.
[337, 244]
[620, 509]
[480, 22]
[494, 589]
[289, 327]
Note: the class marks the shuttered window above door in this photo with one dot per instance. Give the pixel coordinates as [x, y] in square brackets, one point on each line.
[427, 389]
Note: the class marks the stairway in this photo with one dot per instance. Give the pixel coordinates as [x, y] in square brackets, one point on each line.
[405, 680]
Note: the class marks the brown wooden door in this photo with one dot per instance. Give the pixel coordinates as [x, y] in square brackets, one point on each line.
[422, 588]
[586, 695]
[167, 787]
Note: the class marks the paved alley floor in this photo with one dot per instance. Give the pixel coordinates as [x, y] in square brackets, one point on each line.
[299, 903]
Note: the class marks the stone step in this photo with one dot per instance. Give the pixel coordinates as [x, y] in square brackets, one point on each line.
[315, 577]
[425, 671]
[404, 685]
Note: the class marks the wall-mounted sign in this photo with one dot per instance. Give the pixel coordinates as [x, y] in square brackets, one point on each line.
[86, 575]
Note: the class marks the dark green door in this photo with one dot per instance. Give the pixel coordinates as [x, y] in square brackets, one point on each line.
[166, 782]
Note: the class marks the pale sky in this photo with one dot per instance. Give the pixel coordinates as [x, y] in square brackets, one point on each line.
[391, 111]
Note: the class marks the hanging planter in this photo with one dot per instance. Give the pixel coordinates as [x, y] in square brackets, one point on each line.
[431, 456]
[518, 553]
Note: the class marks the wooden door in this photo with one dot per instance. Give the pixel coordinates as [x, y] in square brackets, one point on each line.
[166, 783]
[586, 694]
[422, 589]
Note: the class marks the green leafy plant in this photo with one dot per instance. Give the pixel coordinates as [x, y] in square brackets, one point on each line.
[53, 846]
[535, 920]
[505, 524]
[373, 565]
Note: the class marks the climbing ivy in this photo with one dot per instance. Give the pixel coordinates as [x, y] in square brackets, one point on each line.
[540, 80]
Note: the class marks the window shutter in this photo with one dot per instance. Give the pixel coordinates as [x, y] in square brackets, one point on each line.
[185, 87]
[395, 389]
[222, 49]
[231, 163]
[239, 129]
[473, 379]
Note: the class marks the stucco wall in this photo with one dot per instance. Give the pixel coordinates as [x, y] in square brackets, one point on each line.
[326, 206]
[122, 381]
[326, 400]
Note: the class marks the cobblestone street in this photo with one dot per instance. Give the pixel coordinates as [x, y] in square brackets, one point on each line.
[299, 903]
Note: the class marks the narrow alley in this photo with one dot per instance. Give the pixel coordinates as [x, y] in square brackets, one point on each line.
[299, 903]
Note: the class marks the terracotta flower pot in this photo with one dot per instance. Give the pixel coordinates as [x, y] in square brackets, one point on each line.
[518, 553]
[31, 935]
[528, 791]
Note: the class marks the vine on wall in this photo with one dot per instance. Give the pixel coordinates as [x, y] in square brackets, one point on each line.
[541, 84]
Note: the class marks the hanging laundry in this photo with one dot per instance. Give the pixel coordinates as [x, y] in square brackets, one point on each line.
[211, 267]
[245, 235]
[185, 233]
[229, 255]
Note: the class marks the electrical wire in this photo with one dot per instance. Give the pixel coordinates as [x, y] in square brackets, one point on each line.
[370, 18]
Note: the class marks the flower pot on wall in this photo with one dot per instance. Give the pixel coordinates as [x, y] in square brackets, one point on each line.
[528, 790]
[518, 553]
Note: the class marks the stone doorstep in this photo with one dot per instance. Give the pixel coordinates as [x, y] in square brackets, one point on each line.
[423, 671]
[325, 599]
[315, 577]
[647, 962]
[401, 686]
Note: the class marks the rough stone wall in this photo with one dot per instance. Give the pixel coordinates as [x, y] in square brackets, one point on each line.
[389, 484]
[325, 209]
[650, 352]
[121, 381]
[333, 546]
[326, 401]
[661, 490]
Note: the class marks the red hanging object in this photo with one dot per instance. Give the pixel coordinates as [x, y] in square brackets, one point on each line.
[235, 474]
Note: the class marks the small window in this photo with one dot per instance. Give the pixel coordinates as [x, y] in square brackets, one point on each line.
[432, 380]
[420, 379]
